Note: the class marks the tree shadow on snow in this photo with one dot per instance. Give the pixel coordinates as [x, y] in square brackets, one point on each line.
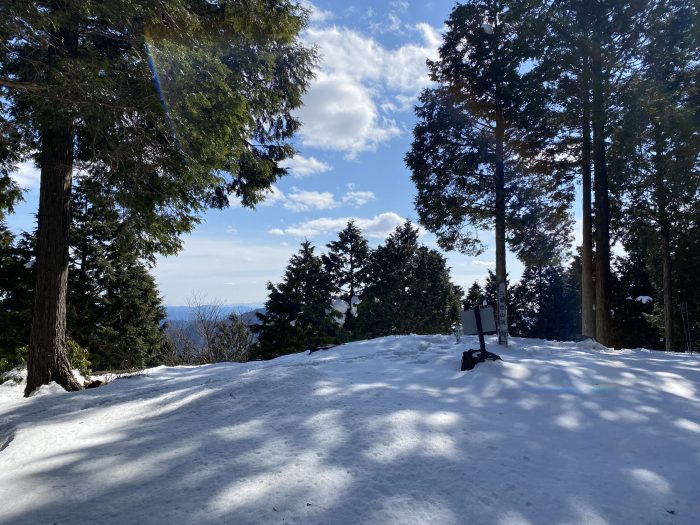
[603, 438]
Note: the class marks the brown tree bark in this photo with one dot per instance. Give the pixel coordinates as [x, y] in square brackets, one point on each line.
[602, 206]
[48, 359]
[500, 216]
[500, 199]
[667, 284]
[587, 290]
[662, 203]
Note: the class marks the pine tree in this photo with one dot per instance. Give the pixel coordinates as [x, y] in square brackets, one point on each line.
[655, 148]
[387, 306]
[589, 55]
[114, 309]
[129, 335]
[346, 263]
[409, 290]
[635, 300]
[120, 88]
[566, 68]
[298, 313]
[472, 153]
[475, 296]
[546, 307]
[436, 300]
[16, 273]
[613, 41]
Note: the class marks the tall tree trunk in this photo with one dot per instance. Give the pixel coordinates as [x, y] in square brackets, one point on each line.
[48, 359]
[349, 318]
[500, 195]
[661, 198]
[500, 216]
[587, 291]
[667, 287]
[602, 205]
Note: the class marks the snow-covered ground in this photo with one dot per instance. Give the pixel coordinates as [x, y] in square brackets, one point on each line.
[374, 432]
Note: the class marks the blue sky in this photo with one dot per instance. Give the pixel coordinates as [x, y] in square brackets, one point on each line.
[357, 123]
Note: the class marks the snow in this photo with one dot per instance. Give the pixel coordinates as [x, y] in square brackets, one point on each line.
[340, 306]
[386, 431]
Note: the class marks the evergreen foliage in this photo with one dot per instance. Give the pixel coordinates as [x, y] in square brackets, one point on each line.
[346, 263]
[545, 307]
[16, 285]
[298, 314]
[409, 289]
[171, 104]
[475, 162]
[114, 309]
[474, 298]
[655, 149]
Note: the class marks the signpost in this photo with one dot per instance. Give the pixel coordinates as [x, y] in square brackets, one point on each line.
[488, 322]
[478, 321]
[502, 316]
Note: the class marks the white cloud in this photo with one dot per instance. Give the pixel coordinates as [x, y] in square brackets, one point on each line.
[273, 196]
[235, 273]
[316, 14]
[27, 175]
[391, 25]
[340, 114]
[276, 231]
[358, 198]
[305, 200]
[300, 200]
[488, 264]
[360, 84]
[377, 227]
[300, 166]
[393, 22]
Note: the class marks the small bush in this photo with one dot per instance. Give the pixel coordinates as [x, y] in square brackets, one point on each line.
[5, 366]
[78, 357]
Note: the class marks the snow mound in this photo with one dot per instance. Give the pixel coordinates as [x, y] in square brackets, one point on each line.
[47, 390]
[380, 431]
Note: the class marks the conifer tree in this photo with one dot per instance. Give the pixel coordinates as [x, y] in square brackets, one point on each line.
[475, 296]
[589, 55]
[566, 67]
[409, 290]
[298, 314]
[635, 299]
[547, 309]
[346, 263]
[114, 309]
[472, 153]
[174, 104]
[16, 273]
[130, 335]
[655, 146]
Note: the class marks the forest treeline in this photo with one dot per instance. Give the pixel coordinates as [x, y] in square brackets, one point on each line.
[530, 100]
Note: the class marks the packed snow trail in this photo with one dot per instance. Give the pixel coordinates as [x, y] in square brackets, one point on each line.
[386, 431]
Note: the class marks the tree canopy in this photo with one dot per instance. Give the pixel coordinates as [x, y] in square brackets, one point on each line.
[172, 104]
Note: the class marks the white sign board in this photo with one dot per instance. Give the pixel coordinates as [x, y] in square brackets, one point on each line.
[488, 321]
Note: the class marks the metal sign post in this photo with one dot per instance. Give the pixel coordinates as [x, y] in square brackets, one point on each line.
[478, 321]
[502, 315]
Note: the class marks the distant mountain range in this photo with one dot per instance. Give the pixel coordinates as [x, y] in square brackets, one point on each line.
[185, 313]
